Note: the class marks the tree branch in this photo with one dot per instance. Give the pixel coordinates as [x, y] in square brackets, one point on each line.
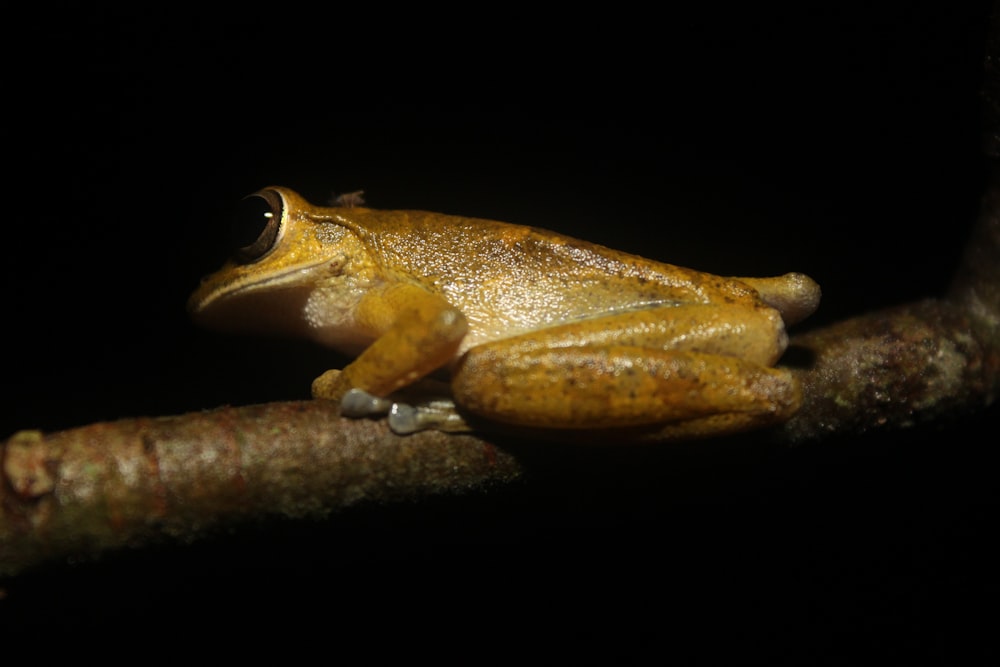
[85, 491]
[89, 490]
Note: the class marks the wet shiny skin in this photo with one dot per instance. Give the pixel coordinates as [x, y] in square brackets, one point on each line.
[536, 330]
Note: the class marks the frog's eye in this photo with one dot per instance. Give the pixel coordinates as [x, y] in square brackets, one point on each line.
[258, 225]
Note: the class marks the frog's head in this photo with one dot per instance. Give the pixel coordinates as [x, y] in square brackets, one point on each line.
[288, 248]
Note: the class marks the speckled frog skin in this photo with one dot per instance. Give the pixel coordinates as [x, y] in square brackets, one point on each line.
[533, 330]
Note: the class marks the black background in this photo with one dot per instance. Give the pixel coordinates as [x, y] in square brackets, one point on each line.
[840, 141]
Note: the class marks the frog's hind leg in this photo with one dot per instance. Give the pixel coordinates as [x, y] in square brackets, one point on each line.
[671, 372]
[626, 387]
[688, 370]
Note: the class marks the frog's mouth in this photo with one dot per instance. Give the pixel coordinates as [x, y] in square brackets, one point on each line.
[272, 306]
[276, 311]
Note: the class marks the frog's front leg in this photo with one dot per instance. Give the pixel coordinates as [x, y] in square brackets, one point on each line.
[416, 332]
[690, 370]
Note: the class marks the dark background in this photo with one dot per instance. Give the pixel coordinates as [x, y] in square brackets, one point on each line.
[840, 141]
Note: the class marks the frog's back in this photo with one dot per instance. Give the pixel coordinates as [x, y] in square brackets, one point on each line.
[508, 277]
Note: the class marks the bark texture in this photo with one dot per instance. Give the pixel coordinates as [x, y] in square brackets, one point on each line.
[84, 491]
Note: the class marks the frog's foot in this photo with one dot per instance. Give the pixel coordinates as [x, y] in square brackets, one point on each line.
[404, 418]
[358, 403]
[439, 415]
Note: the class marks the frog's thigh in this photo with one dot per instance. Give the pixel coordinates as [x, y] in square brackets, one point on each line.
[753, 333]
[621, 386]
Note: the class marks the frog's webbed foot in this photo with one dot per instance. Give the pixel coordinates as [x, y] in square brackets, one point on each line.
[438, 414]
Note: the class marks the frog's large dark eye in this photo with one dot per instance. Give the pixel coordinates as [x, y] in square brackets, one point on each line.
[257, 225]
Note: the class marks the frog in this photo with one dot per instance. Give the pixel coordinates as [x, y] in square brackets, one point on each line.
[460, 323]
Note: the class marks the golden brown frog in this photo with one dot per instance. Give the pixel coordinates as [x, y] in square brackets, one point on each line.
[535, 329]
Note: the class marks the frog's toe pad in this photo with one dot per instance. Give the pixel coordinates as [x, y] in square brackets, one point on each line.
[359, 403]
[439, 415]
[404, 419]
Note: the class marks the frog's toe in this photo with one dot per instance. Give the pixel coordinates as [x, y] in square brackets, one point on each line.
[404, 419]
[439, 415]
[359, 403]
